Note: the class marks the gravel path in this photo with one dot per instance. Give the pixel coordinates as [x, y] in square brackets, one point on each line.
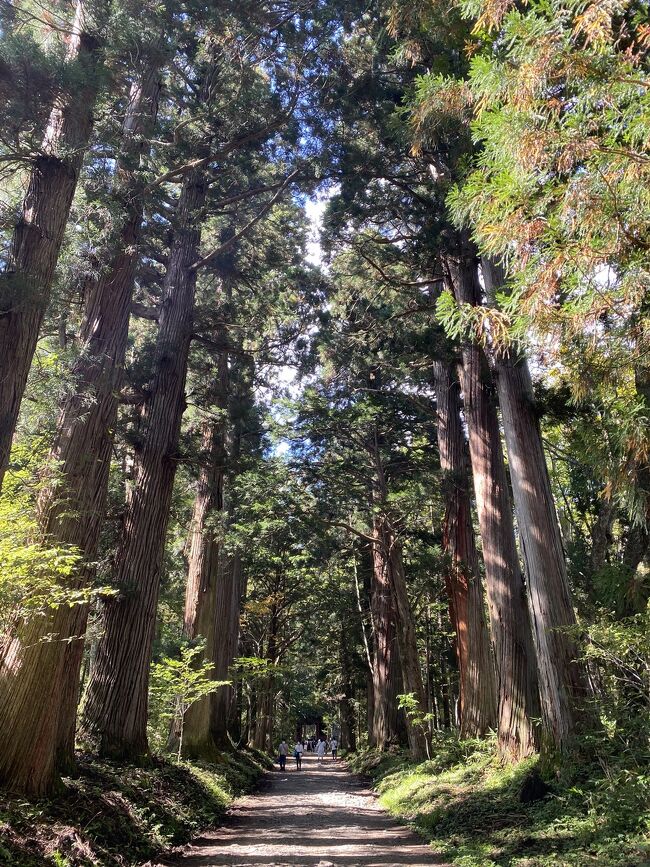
[317, 817]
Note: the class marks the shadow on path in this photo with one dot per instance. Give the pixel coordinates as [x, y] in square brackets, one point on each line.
[320, 816]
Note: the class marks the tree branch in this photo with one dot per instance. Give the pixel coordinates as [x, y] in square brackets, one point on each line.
[227, 244]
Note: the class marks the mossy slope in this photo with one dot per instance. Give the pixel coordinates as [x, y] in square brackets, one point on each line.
[116, 816]
[468, 806]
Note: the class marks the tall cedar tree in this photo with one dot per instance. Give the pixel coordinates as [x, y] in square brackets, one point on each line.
[26, 281]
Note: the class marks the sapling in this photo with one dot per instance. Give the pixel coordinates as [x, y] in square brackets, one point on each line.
[179, 683]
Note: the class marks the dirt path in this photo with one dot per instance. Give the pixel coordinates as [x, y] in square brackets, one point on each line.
[316, 817]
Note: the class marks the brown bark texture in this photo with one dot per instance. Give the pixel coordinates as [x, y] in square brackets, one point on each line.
[265, 693]
[200, 617]
[408, 649]
[384, 716]
[26, 282]
[72, 507]
[563, 684]
[477, 680]
[213, 588]
[346, 700]
[115, 712]
[517, 698]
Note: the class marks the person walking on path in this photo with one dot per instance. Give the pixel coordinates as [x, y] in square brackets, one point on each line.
[320, 751]
[283, 751]
[334, 745]
[297, 754]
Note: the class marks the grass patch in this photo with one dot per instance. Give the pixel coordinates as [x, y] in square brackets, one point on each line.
[117, 815]
[467, 805]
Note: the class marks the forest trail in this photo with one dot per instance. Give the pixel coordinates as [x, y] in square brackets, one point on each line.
[317, 817]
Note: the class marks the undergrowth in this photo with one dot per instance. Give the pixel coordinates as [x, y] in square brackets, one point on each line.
[117, 815]
[468, 806]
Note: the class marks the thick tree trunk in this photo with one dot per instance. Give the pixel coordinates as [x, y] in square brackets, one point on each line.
[232, 583]
[518, 702]
[203, 615]
[115, 713]
[229, 603]
[563, 685]
[346, 701]
[26, 282]
[384, 717]
[408, 651]
[71, 509]
[478, 699]
[263, 738]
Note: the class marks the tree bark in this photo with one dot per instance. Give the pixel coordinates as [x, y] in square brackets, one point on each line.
[601, 534]
[563, 684]
[408, 650]
[263, 737]
[115, 713]
[223, 701]
[384, 718]
[517, 698]
[346, 701]
[203, 616]
[232, 584]
[478, 701]
[71, 509]
[26, 283]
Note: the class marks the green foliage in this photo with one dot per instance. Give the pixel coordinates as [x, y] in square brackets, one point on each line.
[559, 181]
[35, 576]
[178, 683]
[120, 816]
[468, 806]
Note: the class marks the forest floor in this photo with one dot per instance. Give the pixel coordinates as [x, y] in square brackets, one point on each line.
[320, 816]
[116, 815]
[476, 812]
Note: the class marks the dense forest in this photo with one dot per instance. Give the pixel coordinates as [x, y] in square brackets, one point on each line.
[324, 400]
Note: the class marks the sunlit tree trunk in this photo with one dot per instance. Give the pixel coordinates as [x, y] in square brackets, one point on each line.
[563, 685]
[115, 712]
[71, 509]
[203, 615]
[478, 703]
[26, 282]
[518, 702]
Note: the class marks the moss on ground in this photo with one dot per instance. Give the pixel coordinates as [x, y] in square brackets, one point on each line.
[467, 805]
[117, 815]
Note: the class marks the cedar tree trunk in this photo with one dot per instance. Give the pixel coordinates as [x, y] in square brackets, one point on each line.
[71, 509]
[115, 713]
[384, 717]
[478, 698]
[517, 698]
[26, 282]
[201, 617]
[563, 685]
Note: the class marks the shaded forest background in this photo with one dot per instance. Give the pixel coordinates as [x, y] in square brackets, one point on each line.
[324, 394]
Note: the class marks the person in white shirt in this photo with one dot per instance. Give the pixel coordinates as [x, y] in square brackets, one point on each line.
[320, 751]
[334, 744]
[297, 754]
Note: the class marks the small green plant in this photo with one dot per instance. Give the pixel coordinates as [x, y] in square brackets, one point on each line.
[418, 719]
[180, 683]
